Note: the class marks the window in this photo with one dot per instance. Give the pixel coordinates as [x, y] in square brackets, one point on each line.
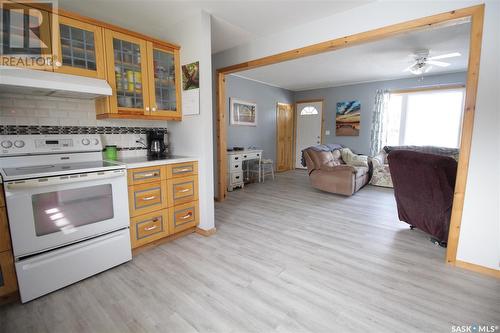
[425, 118]
[308, 110]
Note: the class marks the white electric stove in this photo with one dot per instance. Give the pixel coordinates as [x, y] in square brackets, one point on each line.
[67, 208]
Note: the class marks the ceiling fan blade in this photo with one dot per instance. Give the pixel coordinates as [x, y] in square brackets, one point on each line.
[407, 69]
[438, 63]
[444, 56]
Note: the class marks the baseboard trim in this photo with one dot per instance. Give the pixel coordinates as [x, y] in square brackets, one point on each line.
[204, 232]
[479, 269]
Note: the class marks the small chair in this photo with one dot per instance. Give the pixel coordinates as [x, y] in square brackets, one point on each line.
[267, 168]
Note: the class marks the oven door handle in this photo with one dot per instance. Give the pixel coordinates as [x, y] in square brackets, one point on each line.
[68, 179]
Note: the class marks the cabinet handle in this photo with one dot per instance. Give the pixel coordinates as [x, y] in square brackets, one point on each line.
[188, 215]
[235, 166]
[151, 228]
[183, 170]
[236, 158]
[237, 177]
[147, 108]
[184, 190]
[148, 198]
[58, 64]
[153, 108]
[150, 175]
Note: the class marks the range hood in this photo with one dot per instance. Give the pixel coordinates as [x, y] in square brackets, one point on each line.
[42, 83]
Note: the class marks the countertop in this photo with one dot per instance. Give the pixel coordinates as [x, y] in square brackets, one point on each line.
[246, 151]
[143, 161]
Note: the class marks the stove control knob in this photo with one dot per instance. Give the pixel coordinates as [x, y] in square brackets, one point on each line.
[19, 143]
[6, 144]
[96, 142]
[85, 142]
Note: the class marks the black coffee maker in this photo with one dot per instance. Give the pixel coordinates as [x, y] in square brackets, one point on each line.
[157, 147]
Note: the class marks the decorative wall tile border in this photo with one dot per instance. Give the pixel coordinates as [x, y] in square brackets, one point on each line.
[30, 130]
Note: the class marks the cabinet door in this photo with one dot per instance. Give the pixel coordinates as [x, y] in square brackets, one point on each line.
[126, 60]
[79, 48]
[8, 281]
[25, 37]
[164, 82]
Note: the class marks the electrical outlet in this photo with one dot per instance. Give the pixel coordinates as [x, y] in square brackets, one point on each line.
[327, 132]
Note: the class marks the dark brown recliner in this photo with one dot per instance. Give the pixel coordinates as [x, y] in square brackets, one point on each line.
[423, 187]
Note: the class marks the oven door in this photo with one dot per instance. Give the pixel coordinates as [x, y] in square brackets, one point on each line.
[47, 213]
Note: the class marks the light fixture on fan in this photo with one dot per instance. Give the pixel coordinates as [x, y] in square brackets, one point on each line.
[423, 63]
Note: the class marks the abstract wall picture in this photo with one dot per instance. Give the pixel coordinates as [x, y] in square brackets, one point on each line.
[243, 113]
[347, 118]
[191, 76]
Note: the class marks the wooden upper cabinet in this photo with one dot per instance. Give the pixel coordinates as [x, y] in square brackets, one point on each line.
[26, 37]
[79, 48]
[127, 72]
[164, 81]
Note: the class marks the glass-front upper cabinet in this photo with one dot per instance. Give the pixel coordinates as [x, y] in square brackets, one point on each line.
[79, 49]
[25, 38]
[127, 71]
[164, 81]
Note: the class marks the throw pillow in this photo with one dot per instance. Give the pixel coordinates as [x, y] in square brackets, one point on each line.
[352, 159]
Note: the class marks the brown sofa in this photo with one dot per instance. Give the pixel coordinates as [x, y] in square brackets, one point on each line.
[328, 172]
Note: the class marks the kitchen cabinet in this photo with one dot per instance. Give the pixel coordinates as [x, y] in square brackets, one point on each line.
[26, 34]
[164, 81]
[127, 70]
[8, 281]
[79, 48]
[163, 201]
[145, 78]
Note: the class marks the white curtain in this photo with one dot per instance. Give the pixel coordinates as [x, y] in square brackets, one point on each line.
[379, 122]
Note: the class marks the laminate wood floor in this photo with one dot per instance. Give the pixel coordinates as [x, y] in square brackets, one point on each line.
[285, 258]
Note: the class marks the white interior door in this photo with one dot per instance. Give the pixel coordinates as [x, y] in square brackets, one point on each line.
[309, 117]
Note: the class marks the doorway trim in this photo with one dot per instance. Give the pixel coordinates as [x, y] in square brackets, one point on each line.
[476, 16]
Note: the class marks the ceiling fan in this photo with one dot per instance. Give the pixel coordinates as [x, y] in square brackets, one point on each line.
[423, 63]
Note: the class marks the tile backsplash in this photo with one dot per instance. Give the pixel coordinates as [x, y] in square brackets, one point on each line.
[26, 114]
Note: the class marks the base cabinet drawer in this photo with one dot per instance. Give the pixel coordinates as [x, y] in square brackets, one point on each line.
[183, 216]
[146, 175]
[182, 190]
[149, 227]
[236, 177]
[8, 280]
[145, 198]
[182, 169]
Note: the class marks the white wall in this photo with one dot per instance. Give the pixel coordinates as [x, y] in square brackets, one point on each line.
[193, 136]
[480, 234]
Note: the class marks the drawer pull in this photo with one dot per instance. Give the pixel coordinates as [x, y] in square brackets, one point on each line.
[188, 215]
[148, 198]
[183, 170]
[155, 174]
[237, 177]
[236, 166]
[151, 228]
[184, 190]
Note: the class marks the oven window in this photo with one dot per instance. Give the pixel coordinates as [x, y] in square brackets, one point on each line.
[66, 210]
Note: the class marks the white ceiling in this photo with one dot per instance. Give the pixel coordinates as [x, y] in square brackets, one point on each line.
[381, 60]
[234, 22]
